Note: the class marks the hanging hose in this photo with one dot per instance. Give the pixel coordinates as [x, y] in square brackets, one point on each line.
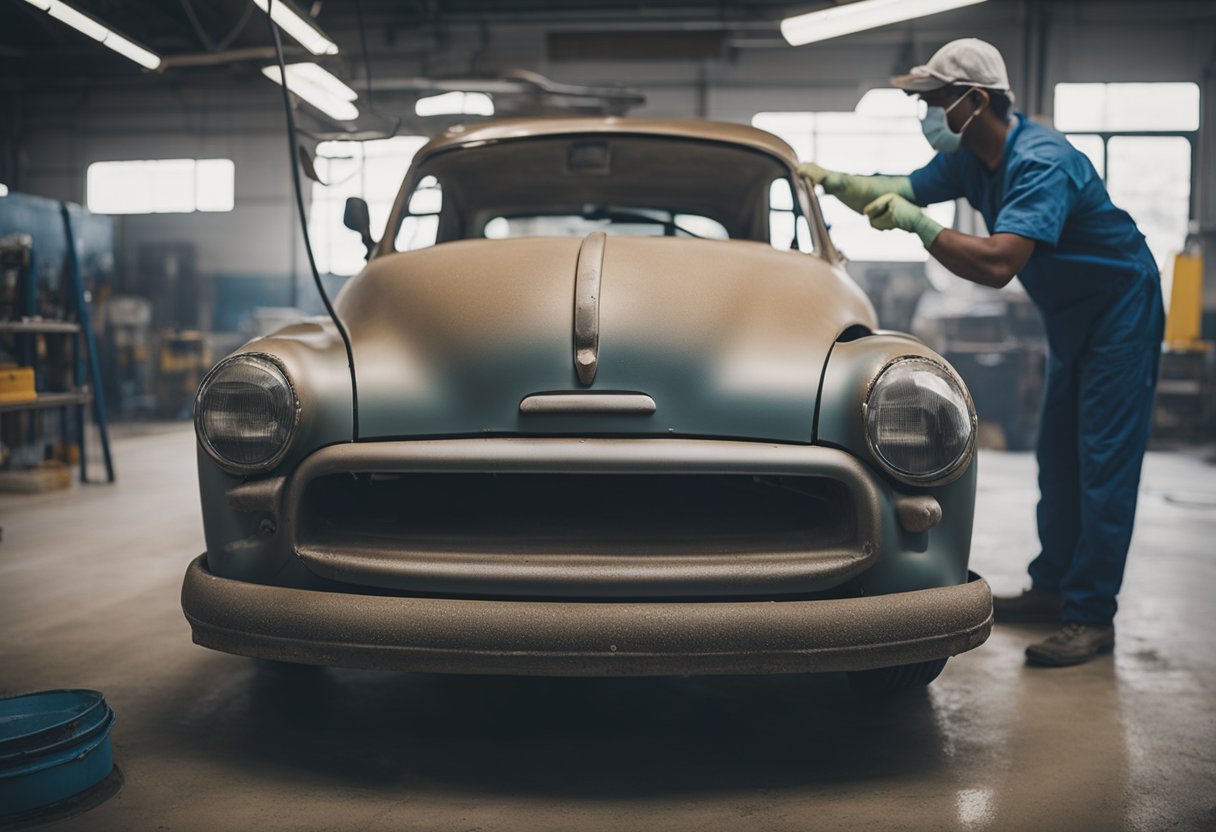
[299, 192]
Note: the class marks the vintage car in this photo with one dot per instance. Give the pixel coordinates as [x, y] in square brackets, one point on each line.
[613, 407]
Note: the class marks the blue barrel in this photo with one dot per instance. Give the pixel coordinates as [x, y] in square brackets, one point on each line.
[54, 744]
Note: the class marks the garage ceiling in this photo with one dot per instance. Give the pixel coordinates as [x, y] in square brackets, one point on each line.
[36, 50]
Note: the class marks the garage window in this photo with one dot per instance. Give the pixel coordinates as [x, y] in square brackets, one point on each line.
[882, 135]
[372, 170]
[1141, 138]
[160, 186]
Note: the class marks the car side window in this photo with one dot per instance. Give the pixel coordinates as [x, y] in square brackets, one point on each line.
[787, 228]
[420, 227]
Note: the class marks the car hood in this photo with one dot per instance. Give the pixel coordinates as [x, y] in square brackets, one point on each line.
[729, 338]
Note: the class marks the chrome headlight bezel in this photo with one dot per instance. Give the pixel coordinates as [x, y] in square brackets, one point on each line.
[266, 362]
[946, 474]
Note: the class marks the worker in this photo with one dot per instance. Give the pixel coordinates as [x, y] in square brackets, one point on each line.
[1087, 268]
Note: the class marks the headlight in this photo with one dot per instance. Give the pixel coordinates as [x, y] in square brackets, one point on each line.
[246, 413]
[920, 423]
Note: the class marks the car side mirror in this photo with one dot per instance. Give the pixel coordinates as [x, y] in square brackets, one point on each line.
[357, 218]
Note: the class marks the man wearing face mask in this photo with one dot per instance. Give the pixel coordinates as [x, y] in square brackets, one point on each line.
[1088, 270]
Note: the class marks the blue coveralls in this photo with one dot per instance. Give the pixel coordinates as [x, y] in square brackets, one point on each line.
[1096, 285]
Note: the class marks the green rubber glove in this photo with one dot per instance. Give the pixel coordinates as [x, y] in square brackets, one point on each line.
[814, 172]
[893, 211]
[856, 191]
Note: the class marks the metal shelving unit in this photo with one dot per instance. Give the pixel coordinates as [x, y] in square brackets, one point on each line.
[46, 400]
[37, 327]
[86, 388]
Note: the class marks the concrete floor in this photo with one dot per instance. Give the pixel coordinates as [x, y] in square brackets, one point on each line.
[89, 598]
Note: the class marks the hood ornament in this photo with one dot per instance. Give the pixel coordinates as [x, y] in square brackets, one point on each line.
[587, 305]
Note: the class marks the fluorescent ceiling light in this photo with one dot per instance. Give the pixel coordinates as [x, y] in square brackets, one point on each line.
[290, 21]
[86, 25]
[455, 103]
[857, 17]
[319, 88]
[133, 51]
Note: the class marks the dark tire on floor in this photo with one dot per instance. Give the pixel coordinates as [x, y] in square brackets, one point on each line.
[884, 681]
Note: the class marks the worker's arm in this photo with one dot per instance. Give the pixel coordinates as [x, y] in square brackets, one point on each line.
[989, 261]
[855, 191]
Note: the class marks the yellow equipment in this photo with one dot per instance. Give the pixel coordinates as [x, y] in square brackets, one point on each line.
[16, 384]
[1184, 388]
[1182, 325]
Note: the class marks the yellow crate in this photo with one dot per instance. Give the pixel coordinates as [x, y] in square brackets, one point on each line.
[1182, 325]
[17, 384]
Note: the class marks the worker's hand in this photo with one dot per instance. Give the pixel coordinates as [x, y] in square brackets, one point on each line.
[855, 191]
[893, 211]
[815, 173]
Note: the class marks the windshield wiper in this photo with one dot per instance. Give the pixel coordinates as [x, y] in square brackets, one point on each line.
[617, 215]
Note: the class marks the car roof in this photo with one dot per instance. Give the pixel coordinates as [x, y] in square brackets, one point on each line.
[524, 128]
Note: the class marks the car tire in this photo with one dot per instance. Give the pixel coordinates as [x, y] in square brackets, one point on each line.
[884, 681]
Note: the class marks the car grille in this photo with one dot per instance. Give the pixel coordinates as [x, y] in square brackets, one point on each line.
[574, 535]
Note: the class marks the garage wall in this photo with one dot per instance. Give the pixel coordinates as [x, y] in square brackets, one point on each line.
[234, 114]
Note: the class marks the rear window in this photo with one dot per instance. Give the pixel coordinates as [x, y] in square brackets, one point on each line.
[573, 185]
[638, 222]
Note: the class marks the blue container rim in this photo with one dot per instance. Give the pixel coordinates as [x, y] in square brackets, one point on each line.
[61, 756]
[75, 705]
[98, 721]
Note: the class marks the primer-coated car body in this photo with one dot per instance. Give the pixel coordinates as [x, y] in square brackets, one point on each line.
[590, 455]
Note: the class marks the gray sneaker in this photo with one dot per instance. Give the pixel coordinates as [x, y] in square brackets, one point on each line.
[1072, 644]
[1032, 606]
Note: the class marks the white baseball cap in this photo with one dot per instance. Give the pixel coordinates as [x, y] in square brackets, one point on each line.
[967, 61]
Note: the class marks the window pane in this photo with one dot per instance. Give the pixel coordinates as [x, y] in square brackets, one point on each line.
[426, 200]
[214, 182]
[781, 228]
[1150, 178]
[702, 226]
[797, 129]
[574, 225]
[1126, 107]
[882, 136]
[160, 186]
[887, 102]
[372, 170]
[1092, 147]
[172, 186]
[417, 232]
[805, 242]
[117, 187]
[853, 234]
[780, 197]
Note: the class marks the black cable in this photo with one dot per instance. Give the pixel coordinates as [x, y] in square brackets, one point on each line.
[299, 191]
[205, 38]
[224, 42]
[367, 61]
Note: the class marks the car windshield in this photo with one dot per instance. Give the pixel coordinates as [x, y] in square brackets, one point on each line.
[627, 184]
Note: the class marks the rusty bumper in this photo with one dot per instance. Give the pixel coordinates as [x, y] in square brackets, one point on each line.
[546, 638]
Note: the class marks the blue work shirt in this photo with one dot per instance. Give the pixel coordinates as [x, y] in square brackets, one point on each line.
[1087, 252]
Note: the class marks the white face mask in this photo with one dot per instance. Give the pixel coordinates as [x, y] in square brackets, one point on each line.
[936, 126]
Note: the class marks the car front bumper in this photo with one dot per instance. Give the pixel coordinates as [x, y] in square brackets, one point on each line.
[562, 638]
